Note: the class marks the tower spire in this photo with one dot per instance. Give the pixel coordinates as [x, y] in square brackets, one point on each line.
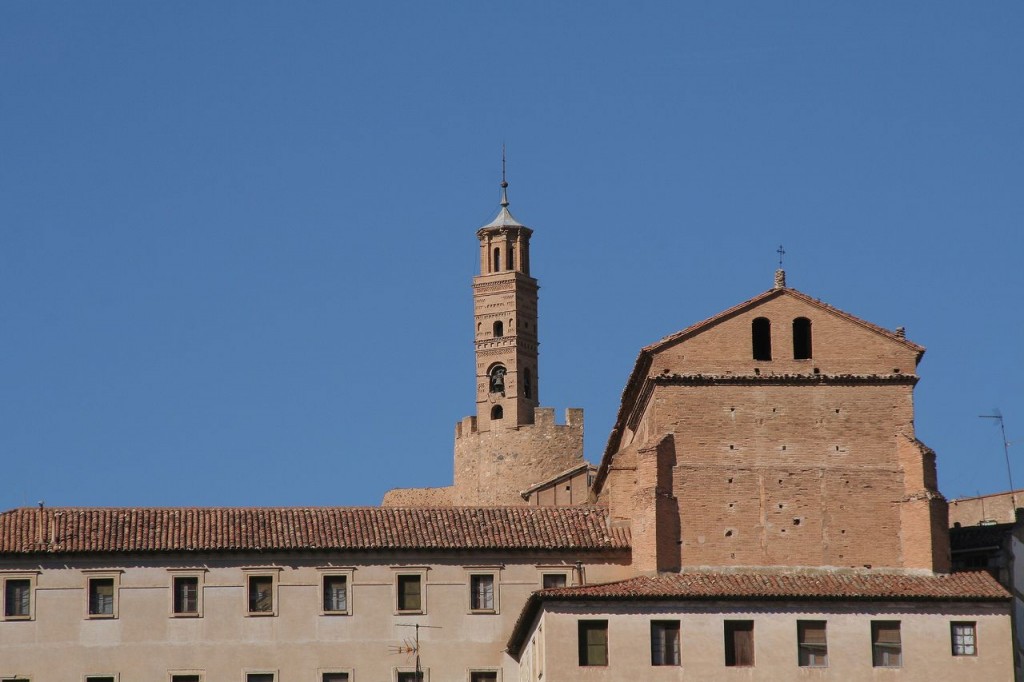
[504, 183]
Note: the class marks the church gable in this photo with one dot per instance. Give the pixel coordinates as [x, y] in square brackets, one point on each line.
[784, 332]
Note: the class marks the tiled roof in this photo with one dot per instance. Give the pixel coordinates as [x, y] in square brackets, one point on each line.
[972, 586]
[106, 530]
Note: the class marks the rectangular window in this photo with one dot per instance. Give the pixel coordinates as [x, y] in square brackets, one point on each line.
[812, 644]
[664, 642]
[483, 676]
[334, 677]
[186, 678]
[886, 649]
[101, 597]
[552, 580]
[410, 593]
[186, 595]
[261, 596]
[739, 643]
[260, 677]
[335, 592]
[593, 642]
[964, 639]
[101, 678]
[481, 592]
[411, 676]
[17, 598]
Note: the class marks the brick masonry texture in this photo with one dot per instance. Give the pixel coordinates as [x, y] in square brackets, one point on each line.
[777, 462]
[88, 530]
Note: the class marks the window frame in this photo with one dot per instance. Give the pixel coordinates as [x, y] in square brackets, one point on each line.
[973, 625]
[31, 577]
[424, 672]
[482, 572]
[673, 658]
[171, 674]
[809, 651]
[409, 571]
[336, 572]
[731, 627]
[259, 671]
[198, 575]
[320, 672]
[879, 655]
[583, 645]
[249, 574]
[102, 574]
[474, 671]
[565, 571]
[96, 677]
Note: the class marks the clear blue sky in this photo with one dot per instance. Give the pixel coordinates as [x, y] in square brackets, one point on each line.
[236, 238]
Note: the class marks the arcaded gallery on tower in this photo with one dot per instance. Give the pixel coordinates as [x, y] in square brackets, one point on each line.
[763, 510]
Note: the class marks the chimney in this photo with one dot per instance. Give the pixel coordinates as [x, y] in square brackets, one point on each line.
[780, 279]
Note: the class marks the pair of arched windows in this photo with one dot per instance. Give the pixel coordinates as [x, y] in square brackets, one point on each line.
[761, 338]
[510, 260]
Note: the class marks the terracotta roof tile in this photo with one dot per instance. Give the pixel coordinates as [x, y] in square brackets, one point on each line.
[971, 586]
[106, 530]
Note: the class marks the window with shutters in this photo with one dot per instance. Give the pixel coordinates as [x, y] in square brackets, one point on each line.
[963, 636]
[739, 643]
[812, 644]
[664, 642]
[17, 597]
[886, 647]
[593, 642]
[335, 591]
[482, 593]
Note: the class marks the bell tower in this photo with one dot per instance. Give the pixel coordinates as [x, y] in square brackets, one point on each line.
[505, 319]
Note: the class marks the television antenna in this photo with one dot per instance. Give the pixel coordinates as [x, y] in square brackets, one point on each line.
[998, 416]
[408, 647]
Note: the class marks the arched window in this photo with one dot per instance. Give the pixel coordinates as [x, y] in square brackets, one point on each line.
[497, 379]
[761, 337]
[497, 259]
[527, 383]
[497, 412]
[499, 329]
[511, 257]
[801, 339]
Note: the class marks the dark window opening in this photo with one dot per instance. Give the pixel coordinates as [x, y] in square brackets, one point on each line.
[334, 677]
[527, 383]
[409, 593]
[593, 642]
[101, 597]
[17, 598]
[186, 595]
[335, 594]
[511, 257]
[801, 339]
[499, 329]
[761, 335]
[497, 412]
[483, 676]
[497, 382]
[497, 260]
[664, 642]
[739, 643]
[553, 580]
[261, 594]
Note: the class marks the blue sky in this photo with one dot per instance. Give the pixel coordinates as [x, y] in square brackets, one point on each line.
[236, 239]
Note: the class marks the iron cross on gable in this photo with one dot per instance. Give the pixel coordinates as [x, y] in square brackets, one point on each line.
[782, 252]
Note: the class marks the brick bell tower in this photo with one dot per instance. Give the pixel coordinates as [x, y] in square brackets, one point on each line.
[505, 320]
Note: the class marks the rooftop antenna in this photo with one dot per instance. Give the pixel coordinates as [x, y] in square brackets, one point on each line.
[407, 647]
[998, 416]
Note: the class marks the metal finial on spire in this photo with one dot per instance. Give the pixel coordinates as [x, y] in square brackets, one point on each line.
[504, 183]
[782, 252]
[780, 274]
